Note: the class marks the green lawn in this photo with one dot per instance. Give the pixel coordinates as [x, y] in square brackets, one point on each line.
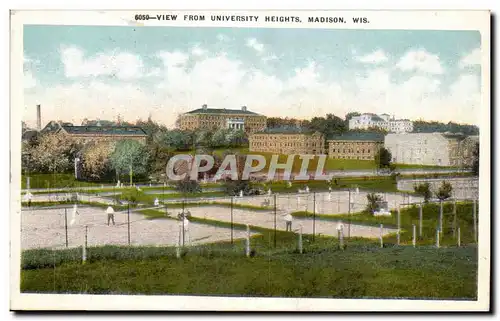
[357, 272]
[57, 180]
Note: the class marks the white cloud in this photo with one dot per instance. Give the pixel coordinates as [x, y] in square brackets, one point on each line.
[173, 59]
[420, 60]
[224, 82]
[222, 38]
[270, 58]
[29, 80]
[375, 57]
[123, 65]
[472, 59]
[255, 45]
[198, 51]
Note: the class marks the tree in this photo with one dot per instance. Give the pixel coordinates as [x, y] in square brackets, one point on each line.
[96, 159]
[130, 157]
[350, 115]
[55, 153]
[188, 186]
[173, 139]
[202, 138]
[421, 126]
[277, 122]
[383, 158]
[373, 202]
[424, 190]
[150, 127]
[219, 138]
[236, 138]
[475, 161]
[233, 187]
[444, 191]
[329, 125]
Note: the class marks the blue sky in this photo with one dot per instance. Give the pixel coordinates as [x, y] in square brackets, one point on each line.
[78, 72]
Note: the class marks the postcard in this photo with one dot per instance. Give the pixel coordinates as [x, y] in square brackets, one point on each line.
[250, 160]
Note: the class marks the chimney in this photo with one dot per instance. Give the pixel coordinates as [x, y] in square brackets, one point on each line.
[244, 108]
[38, 117]
[204, 106]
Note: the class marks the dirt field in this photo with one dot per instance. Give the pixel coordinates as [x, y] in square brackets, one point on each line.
[326, 203]
[266, 219]
[45, 228]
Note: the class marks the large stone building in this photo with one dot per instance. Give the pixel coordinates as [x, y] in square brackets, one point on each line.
[215, 118]
[287, 141]
[109, 133]
[384, 121]
[352, 145]
[441, 149]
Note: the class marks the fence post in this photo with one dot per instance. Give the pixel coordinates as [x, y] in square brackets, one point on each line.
[440, 216]
[399, 226]
[341, 238]
[66, 224]
[414, 235]
[437, 237]
[381, 235]
[420, 217]
[183, 231]
[128, 222]
[458, 238]
[86, 233]
[300, 239]
[349, 213]
[178, 245]
[314, 215]
[474, 216]
[232, 219]
[247, 243]
[84, 254]
[454, 218]
[274, 220]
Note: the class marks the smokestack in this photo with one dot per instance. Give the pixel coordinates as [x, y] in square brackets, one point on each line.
[38, 117]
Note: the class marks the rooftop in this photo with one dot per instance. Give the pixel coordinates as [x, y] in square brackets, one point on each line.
[205, 110]
[108, 130]
[287, 130]
[357, 136]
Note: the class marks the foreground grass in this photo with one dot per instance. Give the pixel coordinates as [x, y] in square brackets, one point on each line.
[357, 272]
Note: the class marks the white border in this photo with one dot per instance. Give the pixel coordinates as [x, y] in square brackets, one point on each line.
[384, 20]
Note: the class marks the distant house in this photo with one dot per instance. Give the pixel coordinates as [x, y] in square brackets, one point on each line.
[29, 135]
[287, 140]
[112, 133]
[384, 121]
[353, 145]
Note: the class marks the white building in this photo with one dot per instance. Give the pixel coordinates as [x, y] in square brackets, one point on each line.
[441, 149]
[384, 121]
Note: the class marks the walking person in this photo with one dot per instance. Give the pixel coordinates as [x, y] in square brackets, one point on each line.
[288, 221]
[111, 214]
[157, 202]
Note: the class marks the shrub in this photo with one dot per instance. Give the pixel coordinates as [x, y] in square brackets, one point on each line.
[423, 190]
[444, 191]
